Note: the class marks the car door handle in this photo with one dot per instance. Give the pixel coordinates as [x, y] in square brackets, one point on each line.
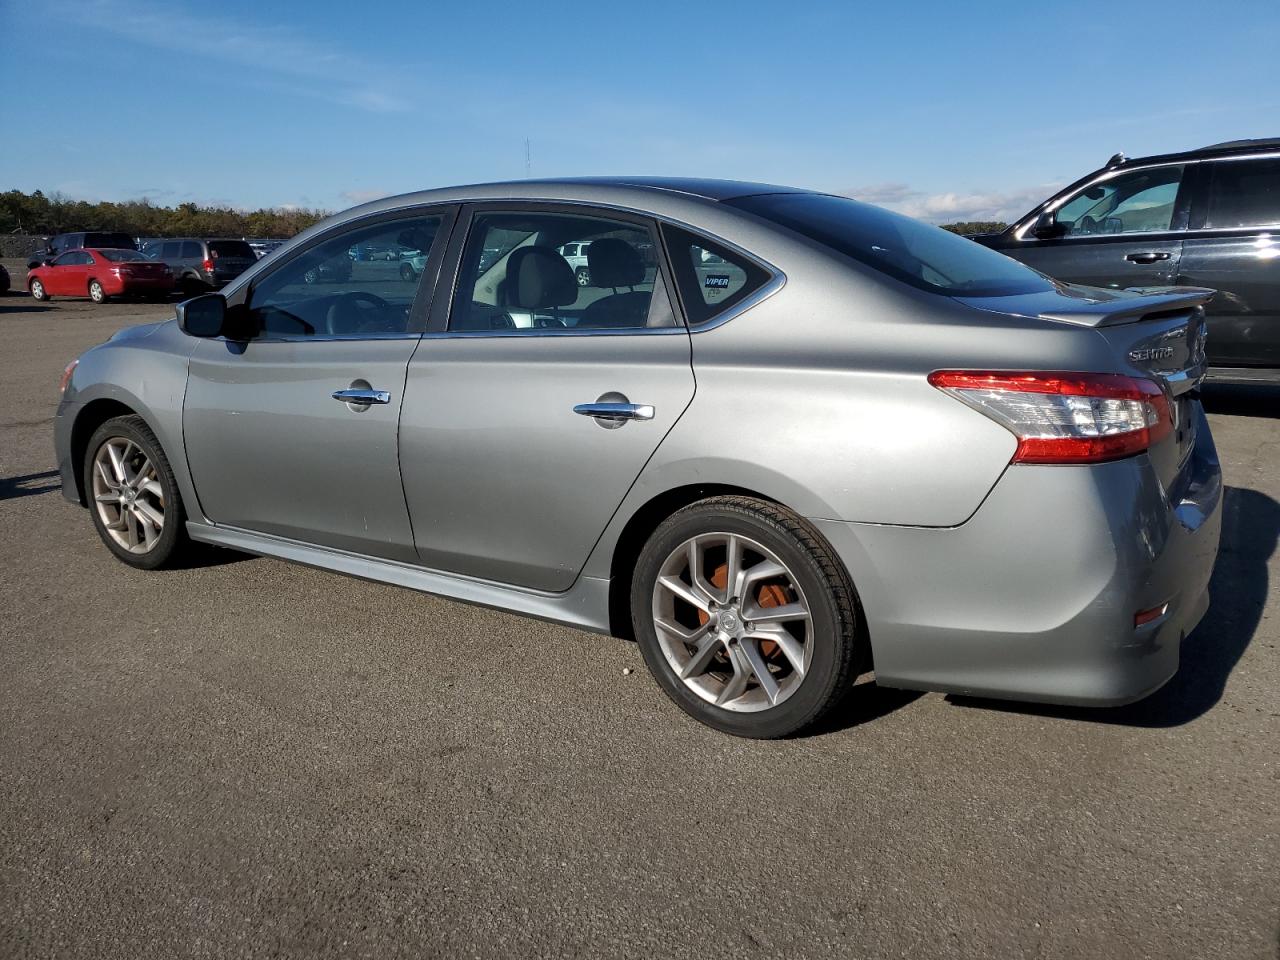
[362, 396]
[1150, 256]
[615, 411]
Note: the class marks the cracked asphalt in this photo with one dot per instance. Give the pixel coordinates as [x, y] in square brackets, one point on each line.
[252, 759]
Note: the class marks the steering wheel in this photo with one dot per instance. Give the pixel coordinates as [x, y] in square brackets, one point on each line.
[344, 314]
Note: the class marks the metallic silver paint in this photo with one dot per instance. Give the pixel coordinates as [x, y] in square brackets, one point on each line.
[478, 481]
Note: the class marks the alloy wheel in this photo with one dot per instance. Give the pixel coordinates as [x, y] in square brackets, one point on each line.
[128, 495]
[732, 622]
[96, 293]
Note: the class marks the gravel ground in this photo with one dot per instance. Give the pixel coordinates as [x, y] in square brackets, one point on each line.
[258, 759]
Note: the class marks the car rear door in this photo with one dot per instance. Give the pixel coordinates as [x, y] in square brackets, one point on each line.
[1233, 247]
[1121, 230]
[292, 431]
[512, 470]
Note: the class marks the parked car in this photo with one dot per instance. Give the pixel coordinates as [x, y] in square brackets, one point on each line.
[904, 452]
[100, 275]
[1204, 218]
[575, 254]
[96, 239]
[4, 280]
[373, 251]
[201, 265]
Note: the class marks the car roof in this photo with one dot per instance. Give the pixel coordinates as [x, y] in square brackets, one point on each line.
[1229, 148]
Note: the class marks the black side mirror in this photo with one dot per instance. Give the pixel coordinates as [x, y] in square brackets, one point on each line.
[203, 316]
[1047, 226]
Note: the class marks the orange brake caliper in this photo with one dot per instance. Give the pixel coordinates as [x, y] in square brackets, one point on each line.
[769, 595]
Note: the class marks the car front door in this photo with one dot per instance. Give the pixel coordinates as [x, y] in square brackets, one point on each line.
[69, 275]
[1234, 247]
[1123, 230]
[533, 403]
[292, 430]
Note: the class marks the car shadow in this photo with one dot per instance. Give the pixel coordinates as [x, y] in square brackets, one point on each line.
[11, 305]
[1241, 400]
[866, 702]
[1238, 592]
[29, 485]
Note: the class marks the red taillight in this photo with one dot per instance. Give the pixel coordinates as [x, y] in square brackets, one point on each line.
[1066, 417]
[208, 265]
[66, 377]
[1143, 617]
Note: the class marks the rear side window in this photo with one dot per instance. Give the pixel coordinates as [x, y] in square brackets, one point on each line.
[123, 256]
[1244, 193]
[171, 250]
[927, 258]
[191, 250]
[711, 277]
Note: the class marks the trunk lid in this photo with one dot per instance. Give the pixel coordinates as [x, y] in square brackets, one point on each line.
[1156, 332]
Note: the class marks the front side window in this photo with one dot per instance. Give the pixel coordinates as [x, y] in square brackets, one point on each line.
[517, 275]
[1243, 193]
[1137, 202]
[324, 292]
[75, 258]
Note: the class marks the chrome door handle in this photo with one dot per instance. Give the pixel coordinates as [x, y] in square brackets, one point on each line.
[1149, 257]
[362, 396]
[615, 411]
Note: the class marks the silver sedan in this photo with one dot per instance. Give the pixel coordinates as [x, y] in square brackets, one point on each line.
[778, 437]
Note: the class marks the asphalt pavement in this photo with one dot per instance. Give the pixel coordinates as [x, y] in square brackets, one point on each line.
[249, 758]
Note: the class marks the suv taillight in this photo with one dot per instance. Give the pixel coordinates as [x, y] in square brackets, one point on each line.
[1065, 417]
[208, 265]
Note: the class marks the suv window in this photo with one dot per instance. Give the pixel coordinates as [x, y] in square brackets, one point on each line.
[110, 241]
[323, 292]
[1244, 193]
[171, 250]
[231, 248]
[191, 250]
[515, 275]
[1137, 202]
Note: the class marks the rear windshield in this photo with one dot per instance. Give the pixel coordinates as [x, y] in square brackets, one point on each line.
[123, 256]
[231, 248]
[120, 241]
[928, 258]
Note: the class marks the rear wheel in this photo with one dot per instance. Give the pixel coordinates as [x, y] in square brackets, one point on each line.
[745, 617]
[38, 291]
[406, 273]
[133, 497]
[96, 293]
[583, 276]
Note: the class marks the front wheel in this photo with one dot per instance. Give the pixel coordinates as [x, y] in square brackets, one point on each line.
[38, 291]
[745, 617]
[407, 273]
[132, 494]
[96, 293]
[583, 276]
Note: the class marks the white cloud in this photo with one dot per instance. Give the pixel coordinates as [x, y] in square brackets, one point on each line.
[274, 53]
[953, 206]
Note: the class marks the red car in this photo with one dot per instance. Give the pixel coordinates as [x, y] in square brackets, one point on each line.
[99, 274]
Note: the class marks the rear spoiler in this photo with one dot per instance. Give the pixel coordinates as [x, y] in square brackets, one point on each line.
[1109, 313]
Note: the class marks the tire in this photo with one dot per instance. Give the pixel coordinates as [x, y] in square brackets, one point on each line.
[96, 293]
[133, 440]
[810, 669]
[407, 273]
[38, 292]
[311, 276]
[583, 276]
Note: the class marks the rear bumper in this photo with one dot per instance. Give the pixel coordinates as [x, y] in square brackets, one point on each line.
[1034, 597]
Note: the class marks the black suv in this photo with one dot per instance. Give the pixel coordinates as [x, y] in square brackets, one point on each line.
[1205, 218]
[90, 239]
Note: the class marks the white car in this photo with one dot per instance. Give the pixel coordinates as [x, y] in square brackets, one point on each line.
[576, 254]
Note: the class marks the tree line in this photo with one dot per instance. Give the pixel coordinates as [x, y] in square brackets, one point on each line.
[968, 227]
[35, 213]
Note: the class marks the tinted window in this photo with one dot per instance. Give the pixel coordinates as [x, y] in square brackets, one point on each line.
[171, 250]
[1244, 193]
[928, 258]
[123, 256]
[1137, 202]
[711, 278]
[231, 248]
[119, 241]
[191, 250]
[514, 275]
[72, 259]
[323, 292]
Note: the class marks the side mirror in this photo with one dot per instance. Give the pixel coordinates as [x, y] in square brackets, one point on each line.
[203, 316]
[1047, 226]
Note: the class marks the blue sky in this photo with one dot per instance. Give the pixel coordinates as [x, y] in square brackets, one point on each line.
[943, 110]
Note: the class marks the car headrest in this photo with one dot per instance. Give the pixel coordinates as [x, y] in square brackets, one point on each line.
[614, 263]
[538, 277]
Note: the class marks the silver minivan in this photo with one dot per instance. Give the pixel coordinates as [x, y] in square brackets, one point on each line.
[199, 265]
